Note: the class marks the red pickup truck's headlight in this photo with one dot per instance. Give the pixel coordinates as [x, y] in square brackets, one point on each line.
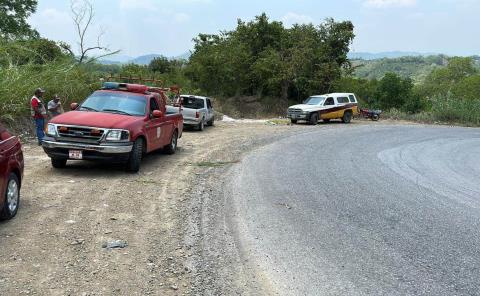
[118, 135]
[51, 130]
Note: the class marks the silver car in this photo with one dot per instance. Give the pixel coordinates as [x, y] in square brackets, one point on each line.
[197, 111]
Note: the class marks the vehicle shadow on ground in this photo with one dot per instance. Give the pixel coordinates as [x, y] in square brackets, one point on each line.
[192, 129]
[335, 122]
[91, 169]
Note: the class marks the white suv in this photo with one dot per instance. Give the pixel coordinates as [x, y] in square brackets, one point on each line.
[325, 107]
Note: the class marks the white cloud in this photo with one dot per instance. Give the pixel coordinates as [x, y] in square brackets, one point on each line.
[390, 3]
[292, 18]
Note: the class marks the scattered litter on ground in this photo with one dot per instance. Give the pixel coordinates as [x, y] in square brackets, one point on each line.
[230, 119]
[78, 241]
[116, 244]
[284, 205]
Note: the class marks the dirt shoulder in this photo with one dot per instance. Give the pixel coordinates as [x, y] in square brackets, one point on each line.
[55, 246]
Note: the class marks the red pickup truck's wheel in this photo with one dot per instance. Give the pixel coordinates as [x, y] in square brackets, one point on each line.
[172, 147]
[133, 163]
[11, 198]
[59, 163]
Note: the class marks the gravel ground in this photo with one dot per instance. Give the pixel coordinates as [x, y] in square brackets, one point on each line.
[165, 214]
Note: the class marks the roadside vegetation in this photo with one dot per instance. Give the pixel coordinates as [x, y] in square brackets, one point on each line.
[257, 69]
[448, 94]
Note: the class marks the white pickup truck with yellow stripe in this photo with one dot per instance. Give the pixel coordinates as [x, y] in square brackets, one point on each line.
[325, 107]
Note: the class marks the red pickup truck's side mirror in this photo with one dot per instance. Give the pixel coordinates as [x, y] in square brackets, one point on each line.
[73, 106]
[157, 113]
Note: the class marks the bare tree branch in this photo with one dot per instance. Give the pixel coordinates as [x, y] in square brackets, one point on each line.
[82, 15]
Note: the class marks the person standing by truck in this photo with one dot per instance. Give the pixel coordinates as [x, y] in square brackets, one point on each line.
[39, 113]
[55, 106]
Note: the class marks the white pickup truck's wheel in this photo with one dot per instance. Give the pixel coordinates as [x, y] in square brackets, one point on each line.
[347, 117]
[211, 122]
[313, 119]
[11, 198]
[201, 125]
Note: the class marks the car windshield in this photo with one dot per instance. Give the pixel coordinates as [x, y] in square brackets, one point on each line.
[314, 100]
[111, 102]
[193, 103]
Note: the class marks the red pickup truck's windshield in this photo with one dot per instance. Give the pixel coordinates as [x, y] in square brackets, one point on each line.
[112, 102]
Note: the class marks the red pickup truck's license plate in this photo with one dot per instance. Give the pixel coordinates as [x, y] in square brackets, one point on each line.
[75, 154]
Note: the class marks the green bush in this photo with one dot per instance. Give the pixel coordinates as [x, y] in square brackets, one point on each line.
[447, 108]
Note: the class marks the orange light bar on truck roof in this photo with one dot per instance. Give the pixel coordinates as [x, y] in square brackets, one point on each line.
[136, 88]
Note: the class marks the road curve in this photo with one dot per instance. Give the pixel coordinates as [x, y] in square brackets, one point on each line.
[362, 210]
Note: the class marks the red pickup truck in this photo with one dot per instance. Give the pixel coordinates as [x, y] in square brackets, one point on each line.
[119, 123]
[11, 173]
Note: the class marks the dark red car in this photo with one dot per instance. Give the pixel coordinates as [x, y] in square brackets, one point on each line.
[11, 173]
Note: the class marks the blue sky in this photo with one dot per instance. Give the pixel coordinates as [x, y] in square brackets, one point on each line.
[167, 27]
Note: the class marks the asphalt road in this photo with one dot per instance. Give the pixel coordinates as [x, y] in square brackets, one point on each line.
[362, 210]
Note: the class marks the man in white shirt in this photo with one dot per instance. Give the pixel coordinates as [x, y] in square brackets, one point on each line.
[55, 106]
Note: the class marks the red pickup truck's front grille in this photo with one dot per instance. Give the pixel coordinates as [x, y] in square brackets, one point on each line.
[80, 133]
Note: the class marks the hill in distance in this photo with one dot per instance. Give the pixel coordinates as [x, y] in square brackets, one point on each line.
[367, 56]
[386, 55]
[140, 60]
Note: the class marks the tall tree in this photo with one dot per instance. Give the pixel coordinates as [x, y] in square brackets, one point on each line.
[13, 19]
[263, 58]
[160, 65]
[394, 91]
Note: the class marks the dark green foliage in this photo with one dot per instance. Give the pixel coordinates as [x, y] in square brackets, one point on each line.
[444, 80]
[160, 65]
[364, 89]
[393, 91]
[263, 58]
[467, 88]
[13, 19]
